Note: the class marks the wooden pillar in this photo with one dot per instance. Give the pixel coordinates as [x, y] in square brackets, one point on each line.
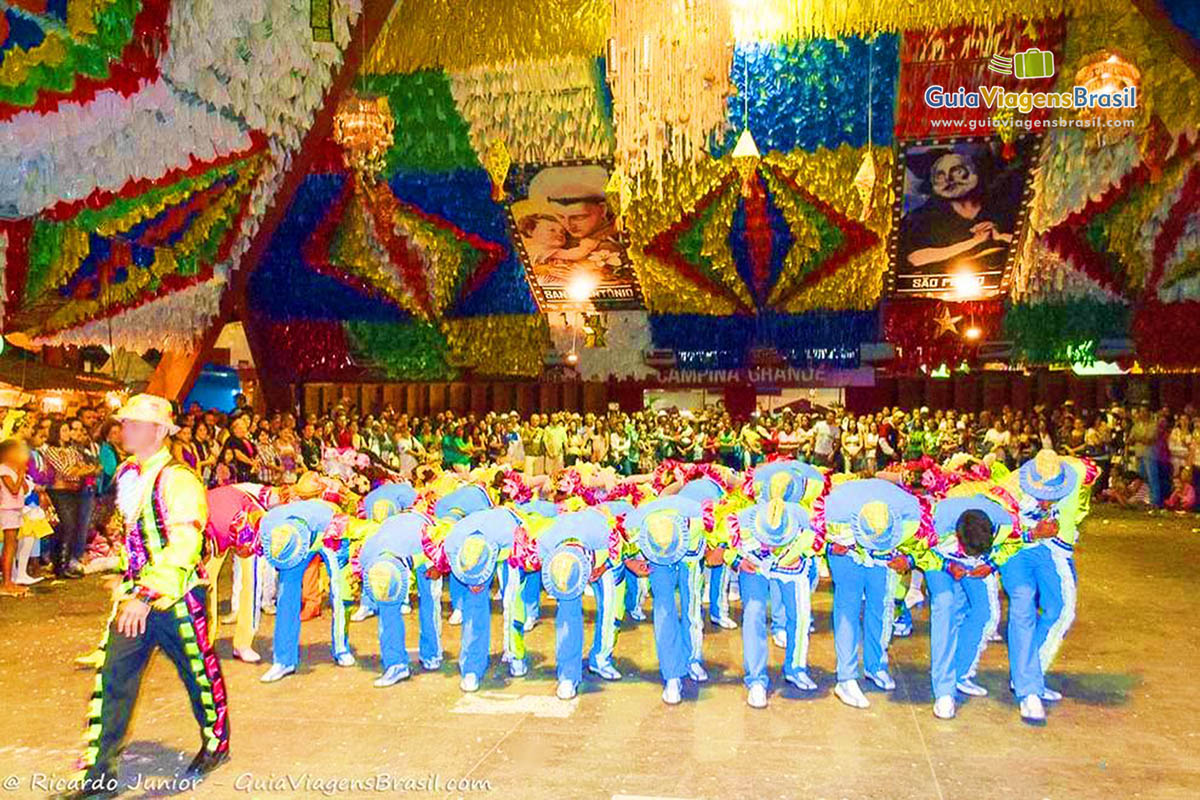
[526, 394]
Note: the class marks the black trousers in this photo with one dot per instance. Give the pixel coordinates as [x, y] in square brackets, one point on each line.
[181, 632]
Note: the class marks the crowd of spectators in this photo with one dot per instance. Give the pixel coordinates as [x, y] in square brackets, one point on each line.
[1147, 458]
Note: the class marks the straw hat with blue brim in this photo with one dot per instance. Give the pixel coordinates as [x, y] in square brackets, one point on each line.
[1047, 477]
[620, 509]
[542, 508]
[774, 523]
[388, 499]
[588, 527]
[475, 541]
[663, 528]
[701, 489]
[947, 513]
[566, 549]
[289, 531]
[785, 480]
[462, 502]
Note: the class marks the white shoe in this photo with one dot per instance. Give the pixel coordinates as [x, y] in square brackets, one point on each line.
[277, 672]
[247, 656]
[456, 617]
[971, 688]
[914, 598]
[469, 683]
[431, 665]
[801, 681]
[673, 692]
[565, 690]
[697, 673]
[529, 625]
[606, 671]
[943, 707]
[344, 660]
[1032, 709]
[518, 668]
[849, 693]
[780, 639]
[757, 696]
[361, 613]
[638, 615]
[406, 609]
[1050, 696]
[882, 680]
[995, 637]
[27, 580]
[392, 675]
[724, 622]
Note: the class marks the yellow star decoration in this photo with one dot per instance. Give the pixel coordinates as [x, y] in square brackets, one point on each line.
[947, 323]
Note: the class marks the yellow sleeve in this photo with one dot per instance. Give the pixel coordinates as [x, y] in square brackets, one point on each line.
[170, 571]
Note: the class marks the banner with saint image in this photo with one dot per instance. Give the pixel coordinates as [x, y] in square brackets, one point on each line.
[961, 208]
[566, 231]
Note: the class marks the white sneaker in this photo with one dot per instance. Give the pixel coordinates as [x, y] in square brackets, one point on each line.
[361, 613]
[943, 707]
[697, 673]
[1032, 709]
[530, 624]
[780, 639]
[1050, 696]
[469, 682]
[518, 668]
[914, 597]
[345, 660]
[406, 609]
[673, 692]
[849, 693]
[27, 580]
[248, 656]
[757, 696]
[801, 681]
[724, 622]
[431, 664]
[882, 680]
[565, 690]
[971, 688]
[638, 615]
[456, 617]
[277, 672]
[392, 675]
[606, 671]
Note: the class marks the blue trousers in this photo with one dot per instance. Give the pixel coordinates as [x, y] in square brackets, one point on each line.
[286, 647]
[568, 640]
[672, 629]
[391, 624]
[862, 615]
[1030, 577]
[958, 615]
[604, 633]
[1159, 484]
[1056, 601]
[456, 593]
[718, 592]
[632, 592]
[531, 594]
[778, 613]
[476, 629]
[795, 598]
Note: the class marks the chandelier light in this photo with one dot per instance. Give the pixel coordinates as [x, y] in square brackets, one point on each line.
[363, 127]
[1107, 73]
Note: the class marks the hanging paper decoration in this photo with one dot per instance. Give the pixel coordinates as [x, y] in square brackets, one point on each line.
[429, 135]
[403, 351]
[498, 345]
[960, 56]
[256, 59]
[497, 161]
[864, 184]
[931, 332]
[668, 65]
[66, 52]
[488, 32]
[1063, 332]
[808, 94]
[541, 111]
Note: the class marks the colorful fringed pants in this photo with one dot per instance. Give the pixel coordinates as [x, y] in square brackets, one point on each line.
[181, 632]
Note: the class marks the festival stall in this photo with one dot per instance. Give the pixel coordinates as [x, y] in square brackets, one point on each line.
[599, 194]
